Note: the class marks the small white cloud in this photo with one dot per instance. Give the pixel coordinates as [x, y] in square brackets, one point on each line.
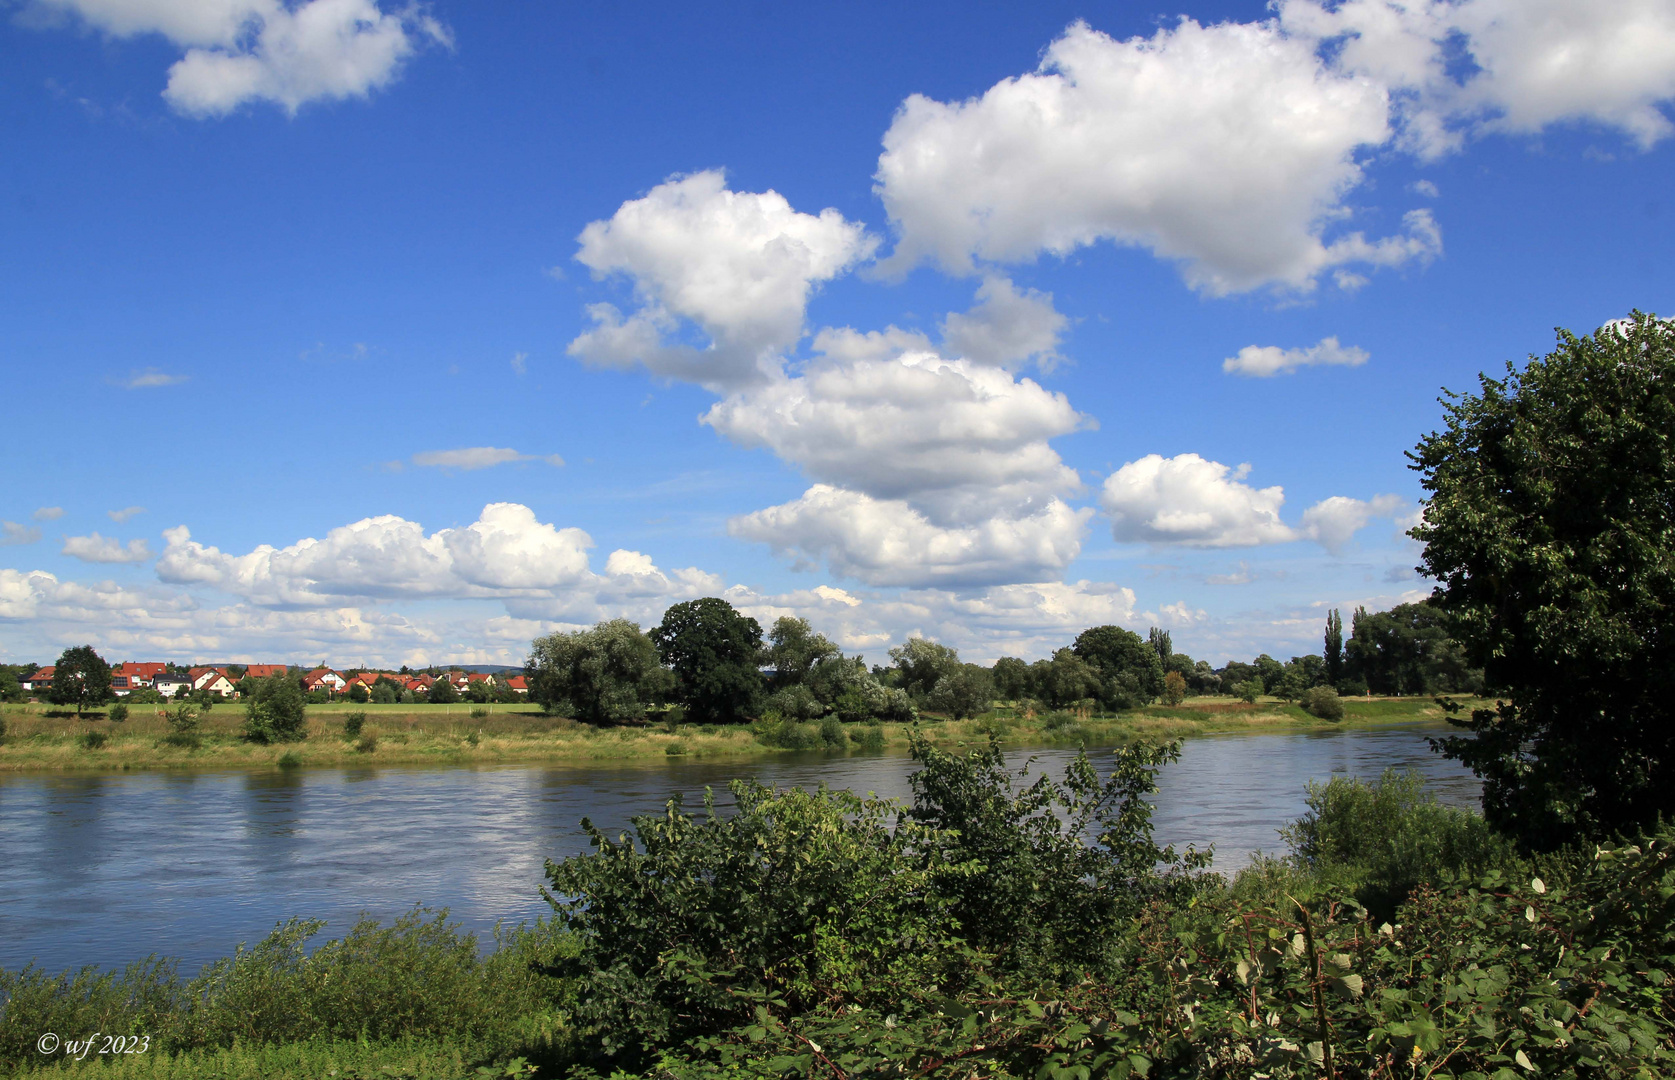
[1263, 361]
[150, 378]
[49, 513]
[120, 516]
[269, 50]
[12, 533]
[1192, 501]
[94, 548]
[520, 362]
[1332, 521]
[1425, 188]
[477, 457]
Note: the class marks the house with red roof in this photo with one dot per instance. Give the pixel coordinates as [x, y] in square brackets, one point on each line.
[214, 681]
[263, 671]
[39, 679]
[324, 679]
[421, 683]
[518, 684]
[138, 673]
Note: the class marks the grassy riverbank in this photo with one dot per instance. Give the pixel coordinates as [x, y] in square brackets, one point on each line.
[39, 737]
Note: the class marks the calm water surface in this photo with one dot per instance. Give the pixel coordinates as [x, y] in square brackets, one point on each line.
[107, 869]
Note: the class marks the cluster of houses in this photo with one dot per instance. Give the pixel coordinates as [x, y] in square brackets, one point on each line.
[129, 676]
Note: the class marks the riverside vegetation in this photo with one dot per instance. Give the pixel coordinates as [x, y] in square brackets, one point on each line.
[1003, 926]
[998, 926]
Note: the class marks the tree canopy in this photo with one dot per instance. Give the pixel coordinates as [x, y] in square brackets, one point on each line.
[607, 675]
[1550, 532]
[714, 652]
[80, 678]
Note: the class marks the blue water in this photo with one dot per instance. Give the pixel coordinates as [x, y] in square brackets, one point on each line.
[108, 869]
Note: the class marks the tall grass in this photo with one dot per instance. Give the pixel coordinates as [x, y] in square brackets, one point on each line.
[416, 980]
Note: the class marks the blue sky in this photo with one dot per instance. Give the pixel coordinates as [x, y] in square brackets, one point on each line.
[391, 334]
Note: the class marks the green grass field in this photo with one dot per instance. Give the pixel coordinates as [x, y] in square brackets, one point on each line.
[41, 737]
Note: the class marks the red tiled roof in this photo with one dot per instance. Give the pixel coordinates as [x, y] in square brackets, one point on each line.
[262, 671]
[143, 672]
[477, 676]
[518, 682]
[42, 674]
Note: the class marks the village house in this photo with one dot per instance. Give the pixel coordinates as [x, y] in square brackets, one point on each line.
[324, 679]
[139, 674]
[169, 685]
[263, 671]
[214, 681]
[39, 679]
[518, 684]
[421, 683]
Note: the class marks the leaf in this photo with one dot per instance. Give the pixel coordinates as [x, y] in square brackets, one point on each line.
[1538, 885]
[1348, 986]
[1529, 913]
[1522, 1060]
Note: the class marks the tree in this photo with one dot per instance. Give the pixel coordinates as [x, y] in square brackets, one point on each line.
[443, 691]
[793, 650]
[1550, 532]
[1011, 677]
[714, 652]
[966, 691]
[920, 664]
[1129, 669]
[1407, 650]
[1174, 688]
[80, 678]
[275, 710]
[1334, 647]
[1065, 679]
[1160, 643]
[610, 674]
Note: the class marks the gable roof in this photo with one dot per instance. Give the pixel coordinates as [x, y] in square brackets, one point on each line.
[141, 671]
[262, 671]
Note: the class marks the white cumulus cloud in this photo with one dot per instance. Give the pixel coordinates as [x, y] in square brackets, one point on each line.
[48, 513]
[1006, 327]
[94, 548]
[740, 266]
[888, 542]
[1532, 63]
[267, 50]
[1262, 361]
[12, 532]
[960, 440]
[1229, 148]
[1194, 502]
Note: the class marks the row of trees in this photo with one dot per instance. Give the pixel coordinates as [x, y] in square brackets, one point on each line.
[718, 665]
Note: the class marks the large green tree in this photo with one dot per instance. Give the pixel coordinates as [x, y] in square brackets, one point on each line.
[1550, 532]
[1130, 669]
[794, 649]
[715, 653]
[80, 678]
[610, 674]
[275, 710]
[1333, 652]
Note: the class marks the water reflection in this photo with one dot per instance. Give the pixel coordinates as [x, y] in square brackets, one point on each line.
[106, 869]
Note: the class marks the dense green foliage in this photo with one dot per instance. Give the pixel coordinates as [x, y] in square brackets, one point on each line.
[715, 654]
[1407, 650]
[1128, 669]
[80, 678]
[419, 978]
[1551, 534]
[274, 710]
[610, 674]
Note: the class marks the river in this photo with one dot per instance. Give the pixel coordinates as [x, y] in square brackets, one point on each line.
[105, 869]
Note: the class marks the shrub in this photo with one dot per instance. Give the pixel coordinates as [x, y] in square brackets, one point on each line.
[367, 744]
[1384, 839]
[275, 711]
[1174, 688]
[1322, 701]
[116, 714]
[787, 734]
[290, 759]
[831, 733]
[352, 725]
[1248, 691]
[478, 713]
[93, 740]
[869, 737]
[475, 738]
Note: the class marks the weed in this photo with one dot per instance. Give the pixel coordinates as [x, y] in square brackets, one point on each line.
[93, 740]
[352, 725]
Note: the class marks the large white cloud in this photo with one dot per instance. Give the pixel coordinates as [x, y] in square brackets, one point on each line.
[506, 554]
[888, 542]
[1190, 501]
[1230, 148]
[267, 50]
[739, 265]
[1532, 62]
[959, 440]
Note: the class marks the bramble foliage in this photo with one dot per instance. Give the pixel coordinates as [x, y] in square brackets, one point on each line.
[1549, 532]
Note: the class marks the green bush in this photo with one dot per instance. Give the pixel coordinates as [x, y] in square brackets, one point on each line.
[93, 740]
[787, 734]
[1386, 838]
[275, 711]
[366, 744]
[1322, 701]
[352, 725]
[116, 714]
[477, 713]
[831, 733]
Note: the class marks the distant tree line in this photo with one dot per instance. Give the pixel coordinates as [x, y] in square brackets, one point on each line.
[716, 664]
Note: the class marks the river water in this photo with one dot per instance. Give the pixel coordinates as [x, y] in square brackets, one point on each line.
[105, 869]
